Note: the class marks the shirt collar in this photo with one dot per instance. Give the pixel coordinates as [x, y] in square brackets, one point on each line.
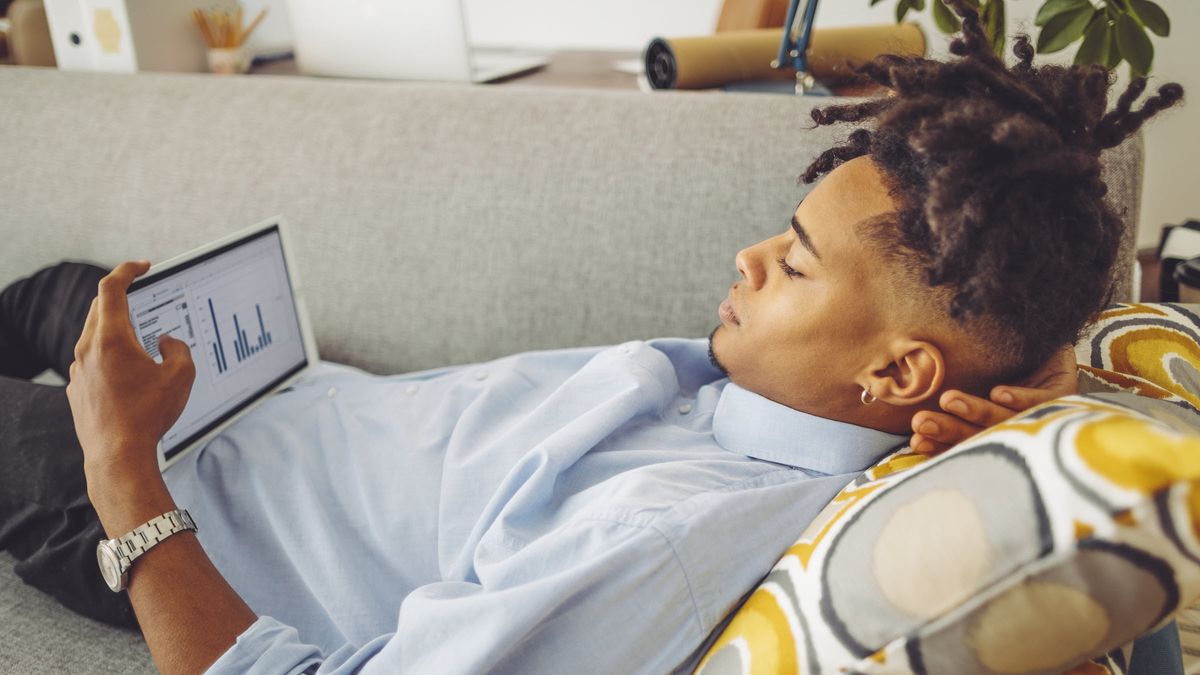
[752, 425]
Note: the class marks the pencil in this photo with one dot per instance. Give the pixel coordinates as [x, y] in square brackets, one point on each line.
[253, 24]
[202, 22]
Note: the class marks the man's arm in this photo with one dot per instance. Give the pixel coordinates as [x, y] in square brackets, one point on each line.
[187, 611]
[122, 403]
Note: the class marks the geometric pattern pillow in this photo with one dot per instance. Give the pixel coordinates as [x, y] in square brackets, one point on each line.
[1042, 545]
[1148, 349]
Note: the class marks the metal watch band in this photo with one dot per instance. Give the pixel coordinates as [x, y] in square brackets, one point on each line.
[145, 536]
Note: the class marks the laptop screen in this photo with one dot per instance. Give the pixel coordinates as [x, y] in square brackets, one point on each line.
[235, 309]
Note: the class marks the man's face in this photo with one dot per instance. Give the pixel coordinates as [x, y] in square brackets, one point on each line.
[808, 314]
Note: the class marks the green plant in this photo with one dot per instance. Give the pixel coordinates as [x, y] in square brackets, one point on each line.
[1111, 31]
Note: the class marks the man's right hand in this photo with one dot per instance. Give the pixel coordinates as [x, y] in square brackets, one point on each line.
[966, 415]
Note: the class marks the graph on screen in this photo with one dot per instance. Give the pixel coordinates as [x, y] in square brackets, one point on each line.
[239, 318]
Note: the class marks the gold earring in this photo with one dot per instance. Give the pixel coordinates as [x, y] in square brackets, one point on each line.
[866, 397]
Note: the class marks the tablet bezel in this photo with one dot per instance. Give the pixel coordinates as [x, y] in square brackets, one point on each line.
[168, 267]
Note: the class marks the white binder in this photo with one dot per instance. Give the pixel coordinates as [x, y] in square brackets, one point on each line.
[126, 35]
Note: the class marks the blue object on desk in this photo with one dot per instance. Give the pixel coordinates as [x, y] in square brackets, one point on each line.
[793, 49]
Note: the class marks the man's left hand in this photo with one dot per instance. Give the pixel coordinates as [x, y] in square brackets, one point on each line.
[966, 415]
[121, 400]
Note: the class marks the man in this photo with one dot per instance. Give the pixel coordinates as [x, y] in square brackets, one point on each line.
[604, 510]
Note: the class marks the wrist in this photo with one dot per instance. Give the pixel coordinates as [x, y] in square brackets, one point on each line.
[115, 459]
[127, 495]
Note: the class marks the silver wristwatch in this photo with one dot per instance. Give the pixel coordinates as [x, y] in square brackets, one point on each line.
[116, 556]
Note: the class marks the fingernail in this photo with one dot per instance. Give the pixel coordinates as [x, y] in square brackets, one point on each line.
[924, 447]
[1004, 397]
[957, 406]
[929, 428]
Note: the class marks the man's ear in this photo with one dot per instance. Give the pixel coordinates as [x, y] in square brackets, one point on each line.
[913, 375]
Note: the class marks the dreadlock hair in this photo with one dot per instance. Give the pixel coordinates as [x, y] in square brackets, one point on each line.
[997, 173]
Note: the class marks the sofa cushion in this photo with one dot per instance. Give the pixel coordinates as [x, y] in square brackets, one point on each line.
[433, 224]
[1060, 535]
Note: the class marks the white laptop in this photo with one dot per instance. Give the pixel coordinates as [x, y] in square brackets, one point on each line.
[395, 39]
[238, 305]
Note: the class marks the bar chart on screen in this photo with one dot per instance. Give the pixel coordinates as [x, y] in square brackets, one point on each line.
[239, 319]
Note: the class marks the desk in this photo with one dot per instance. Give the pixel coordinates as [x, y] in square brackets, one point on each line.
[568, 68]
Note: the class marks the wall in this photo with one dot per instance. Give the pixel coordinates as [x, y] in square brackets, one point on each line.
[1172, 192]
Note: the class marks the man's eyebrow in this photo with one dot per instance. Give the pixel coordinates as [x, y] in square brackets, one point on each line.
[804, 238]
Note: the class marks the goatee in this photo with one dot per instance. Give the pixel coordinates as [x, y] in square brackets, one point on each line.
[712, 356]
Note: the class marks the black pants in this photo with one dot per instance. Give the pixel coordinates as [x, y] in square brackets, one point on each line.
[46, 520]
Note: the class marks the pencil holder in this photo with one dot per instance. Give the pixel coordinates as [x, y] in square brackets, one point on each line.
[231, 61]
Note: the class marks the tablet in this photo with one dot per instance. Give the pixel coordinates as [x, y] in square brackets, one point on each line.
[238, 305]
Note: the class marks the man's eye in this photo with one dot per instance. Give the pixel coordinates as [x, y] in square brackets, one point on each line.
[788, 269]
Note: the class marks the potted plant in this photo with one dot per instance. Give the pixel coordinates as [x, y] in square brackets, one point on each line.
[1111, 31]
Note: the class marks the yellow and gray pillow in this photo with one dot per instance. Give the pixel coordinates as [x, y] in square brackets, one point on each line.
[1043, 545]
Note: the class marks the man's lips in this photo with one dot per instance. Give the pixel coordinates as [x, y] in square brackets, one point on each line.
[726, 310]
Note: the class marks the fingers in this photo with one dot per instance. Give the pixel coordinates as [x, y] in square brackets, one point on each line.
[927, 446]
[964, 416]
[112, 288]
[175, 353]
[975, 410]
[1019, 399]
[937, 431]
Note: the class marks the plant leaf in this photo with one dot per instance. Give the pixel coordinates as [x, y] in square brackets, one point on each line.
[945, 19]
[1152, 16]
[1112, 58]
[1135, 46]
[875, 2]
[918, 5]
[1097, 42]
[996, 25]
[1063, 29]
[902, 8]
[1053, 8]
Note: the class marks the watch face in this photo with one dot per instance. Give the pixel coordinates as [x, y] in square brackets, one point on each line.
[110, 567]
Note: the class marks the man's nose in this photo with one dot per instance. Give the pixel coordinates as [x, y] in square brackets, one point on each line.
[749, 264]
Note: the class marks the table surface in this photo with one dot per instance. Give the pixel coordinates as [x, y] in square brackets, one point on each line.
[567, 68]
[592, 69]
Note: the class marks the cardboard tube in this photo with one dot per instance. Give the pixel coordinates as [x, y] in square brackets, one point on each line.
[743, 55]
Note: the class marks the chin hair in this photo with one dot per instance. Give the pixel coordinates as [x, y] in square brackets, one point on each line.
[712, 356]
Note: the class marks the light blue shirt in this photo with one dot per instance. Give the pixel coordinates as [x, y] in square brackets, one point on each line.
[583, 510]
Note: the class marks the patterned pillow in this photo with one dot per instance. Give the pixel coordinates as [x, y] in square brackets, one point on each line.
[1046, 541]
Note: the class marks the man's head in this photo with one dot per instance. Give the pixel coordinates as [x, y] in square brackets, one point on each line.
[958, 240]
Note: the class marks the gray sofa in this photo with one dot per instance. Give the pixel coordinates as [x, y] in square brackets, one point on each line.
[433, 224]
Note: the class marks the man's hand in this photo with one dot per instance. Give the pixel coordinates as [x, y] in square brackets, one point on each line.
[122, 401]
[966, 415]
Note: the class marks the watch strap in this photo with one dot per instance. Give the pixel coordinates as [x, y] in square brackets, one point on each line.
[143, 537]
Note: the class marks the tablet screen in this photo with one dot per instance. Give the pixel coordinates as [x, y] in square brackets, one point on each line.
[234, 308]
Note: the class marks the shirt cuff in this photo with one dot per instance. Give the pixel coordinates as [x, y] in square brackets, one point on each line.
[267, 646]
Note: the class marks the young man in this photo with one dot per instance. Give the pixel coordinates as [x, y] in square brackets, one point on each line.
[604, 510]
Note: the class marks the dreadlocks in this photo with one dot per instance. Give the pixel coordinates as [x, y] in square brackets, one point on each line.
[997, 171]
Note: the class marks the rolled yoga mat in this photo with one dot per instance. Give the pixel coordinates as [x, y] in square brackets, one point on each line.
[744, 55]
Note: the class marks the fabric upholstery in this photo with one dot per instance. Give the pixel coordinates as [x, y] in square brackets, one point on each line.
[434, 224]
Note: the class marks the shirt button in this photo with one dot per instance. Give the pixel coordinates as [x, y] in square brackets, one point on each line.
[685, 408]
[481, 375]
[332, 392]
[411, 390]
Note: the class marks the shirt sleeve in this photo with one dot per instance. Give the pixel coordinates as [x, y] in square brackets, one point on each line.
[599, 596]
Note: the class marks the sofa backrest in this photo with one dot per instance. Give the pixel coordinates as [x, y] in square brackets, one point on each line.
[434, 224]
